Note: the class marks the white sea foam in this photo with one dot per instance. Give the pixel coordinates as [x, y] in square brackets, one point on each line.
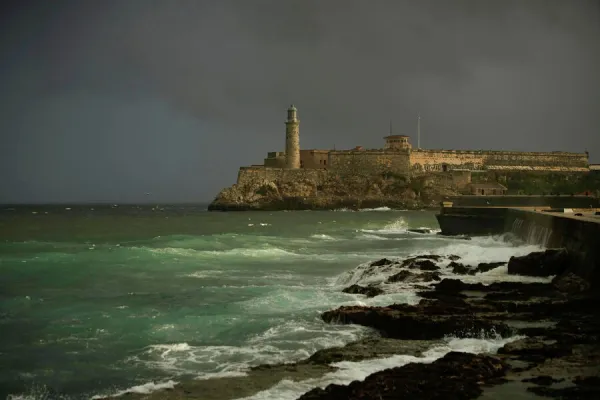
[322, 236]
[375, 209]
[484, 249]
[288, 341]
[205, 274]
[350, 371]
[501, 274]
[368, 236]
[264, 252]
[397, 226]
[145, 388]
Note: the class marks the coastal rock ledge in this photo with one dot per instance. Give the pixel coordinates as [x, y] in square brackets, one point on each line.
[330, 194]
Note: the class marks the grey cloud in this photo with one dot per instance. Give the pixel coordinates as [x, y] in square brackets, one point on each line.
[174, 96]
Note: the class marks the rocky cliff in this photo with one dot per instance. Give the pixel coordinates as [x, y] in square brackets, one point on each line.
[333, 192]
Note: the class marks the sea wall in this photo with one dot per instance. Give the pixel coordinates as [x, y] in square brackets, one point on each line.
[441, 160]
[579, 235]
[259, 174]
[526, 201]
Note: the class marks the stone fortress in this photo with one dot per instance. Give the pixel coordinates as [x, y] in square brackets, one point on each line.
[399, 158]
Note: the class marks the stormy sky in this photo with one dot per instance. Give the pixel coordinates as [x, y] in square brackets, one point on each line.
[107, 100]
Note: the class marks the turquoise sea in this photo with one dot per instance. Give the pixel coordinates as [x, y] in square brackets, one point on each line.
[99, 300]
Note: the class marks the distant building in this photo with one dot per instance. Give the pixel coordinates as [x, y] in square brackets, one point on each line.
[398, 157]
[487, 189]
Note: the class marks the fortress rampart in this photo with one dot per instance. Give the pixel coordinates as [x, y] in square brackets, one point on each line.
[443, 160]
[369, 162]
[398, 157]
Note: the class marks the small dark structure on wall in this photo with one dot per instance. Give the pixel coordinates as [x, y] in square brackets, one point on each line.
[487, 189]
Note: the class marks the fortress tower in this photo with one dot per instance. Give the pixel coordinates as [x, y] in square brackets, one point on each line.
[292, 139]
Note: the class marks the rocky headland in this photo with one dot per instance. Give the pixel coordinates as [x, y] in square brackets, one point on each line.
[554, 331]
[333, 193]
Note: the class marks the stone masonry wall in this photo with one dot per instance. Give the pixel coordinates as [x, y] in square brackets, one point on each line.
[437, 160]
[368, 163]
[254, 175]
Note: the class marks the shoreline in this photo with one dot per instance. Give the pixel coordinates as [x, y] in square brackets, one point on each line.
[552, 325]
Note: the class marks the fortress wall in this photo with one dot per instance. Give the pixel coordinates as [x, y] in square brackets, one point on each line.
[257, 175]
[368, 163]
[314, 158]
[434, 160]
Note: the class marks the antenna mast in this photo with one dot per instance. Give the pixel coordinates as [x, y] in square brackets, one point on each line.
[419, 131]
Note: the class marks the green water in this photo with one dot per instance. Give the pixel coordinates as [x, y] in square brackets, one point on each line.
[97, 301]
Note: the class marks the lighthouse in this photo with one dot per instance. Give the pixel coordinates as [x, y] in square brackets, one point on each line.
[292, 139]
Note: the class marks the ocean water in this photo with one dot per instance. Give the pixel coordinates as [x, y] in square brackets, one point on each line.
[105, 300]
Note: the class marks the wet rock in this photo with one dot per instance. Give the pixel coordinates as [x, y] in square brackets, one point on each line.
[535, 349]
[369, 348]
[585, 388]
[570, 283]
[417, 259]
[369, 291]
[451, 286]
[382, 262]
[421, 381]
[430, 276]
[425, 321]
[456, 285]
[544, 380]
[485, 267]
[400, 276]
[546, 263]
[424, 265]
[459, 269]
[408, 276]
[453, 257]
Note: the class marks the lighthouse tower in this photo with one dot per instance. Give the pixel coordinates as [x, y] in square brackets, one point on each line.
[292, 139]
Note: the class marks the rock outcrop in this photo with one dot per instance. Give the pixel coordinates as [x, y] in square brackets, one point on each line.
[333, 193]
[421, 381]
[369, 291]
[546, 263]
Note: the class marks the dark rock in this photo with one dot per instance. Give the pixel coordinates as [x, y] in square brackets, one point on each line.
[451, 286]
[407, 276]
[425, 265]
[430, 276]
[570, 283]
[549, 262]
[369, 348]
[544, 380]
[400, 276]
[485, 267]
[462, 376]
[458, 268]
[447, 298]
[369, 291]
[532, 349]
[456, 285]
[425, 321]
[382, 262]
[420, 262]
[581, 391]
[418, 259]
[453, 257]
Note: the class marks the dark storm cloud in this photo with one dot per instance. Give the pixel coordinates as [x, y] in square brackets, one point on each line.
[109, 100]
